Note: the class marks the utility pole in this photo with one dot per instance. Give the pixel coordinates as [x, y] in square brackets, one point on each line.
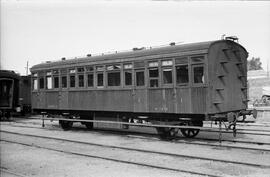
[26, 68]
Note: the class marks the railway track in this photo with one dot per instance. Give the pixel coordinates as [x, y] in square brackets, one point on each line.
[207, 128]
[4, 171]
[239, 130]
[194, 141]
[254, 124]
[127, 150]
[114, 160]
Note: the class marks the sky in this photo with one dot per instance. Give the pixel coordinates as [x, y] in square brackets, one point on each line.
[37, 30]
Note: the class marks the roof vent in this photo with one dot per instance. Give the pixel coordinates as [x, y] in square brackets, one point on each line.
[232, 38]
[63, 58]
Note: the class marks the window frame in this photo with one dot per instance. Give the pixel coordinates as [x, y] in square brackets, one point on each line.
[111, 71]
[35, 78]
[54, 77]
[78, 78]
[192, 74]
[153, 78]
[41, 75]
[144, 78]
[164, 67]
[93, 79]
[61, 81]
[48, 75]
[97, 72]
[124, 80]
[103, 80]
[130, 69]
[80, 71]
[88, 72]
[55, 73]
[73, 73]
[162, 71]
[92, 72]
[188, 72]
[63, 73]
[198, 63]
[69, 81]
[155, 66]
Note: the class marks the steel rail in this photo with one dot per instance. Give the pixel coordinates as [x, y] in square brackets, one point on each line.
[141, 150]
[114, 160]
[208, 129]
[254, 125]
[180, 138]
[11, 172]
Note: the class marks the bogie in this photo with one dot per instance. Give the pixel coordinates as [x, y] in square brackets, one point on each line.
[66, 125]
[191, 133]
[171, 133]
[88, 125]
[167, 133]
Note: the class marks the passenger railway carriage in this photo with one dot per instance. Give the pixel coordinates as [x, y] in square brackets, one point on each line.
[15, 94]
[9, 92]
[173, 85]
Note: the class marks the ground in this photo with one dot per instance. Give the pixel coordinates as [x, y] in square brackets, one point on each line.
[30, 160]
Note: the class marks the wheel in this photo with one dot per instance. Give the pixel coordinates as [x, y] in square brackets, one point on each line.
[167, 133]
[161, 132]
[5, 115]
[89, 125]
[191, 133]
[66, 125]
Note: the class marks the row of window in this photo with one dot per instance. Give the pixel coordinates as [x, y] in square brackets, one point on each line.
[91, 77]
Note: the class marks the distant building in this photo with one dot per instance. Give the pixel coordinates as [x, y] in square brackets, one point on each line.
[259, 83]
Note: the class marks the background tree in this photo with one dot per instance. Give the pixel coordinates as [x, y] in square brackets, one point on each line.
[254, 64]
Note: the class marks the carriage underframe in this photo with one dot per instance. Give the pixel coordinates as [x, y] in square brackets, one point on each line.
[166, 125]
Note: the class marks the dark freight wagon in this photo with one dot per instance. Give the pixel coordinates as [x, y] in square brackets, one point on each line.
[174, 85]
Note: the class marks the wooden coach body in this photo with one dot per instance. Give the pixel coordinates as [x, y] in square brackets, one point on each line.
[9, 92]
[25, 94]
[191, 80]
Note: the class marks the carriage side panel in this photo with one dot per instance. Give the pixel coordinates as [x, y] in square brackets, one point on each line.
[161, 100]
[198, 99]
[52, 99]
[140, 100]
[183, 103]
[98, 100]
